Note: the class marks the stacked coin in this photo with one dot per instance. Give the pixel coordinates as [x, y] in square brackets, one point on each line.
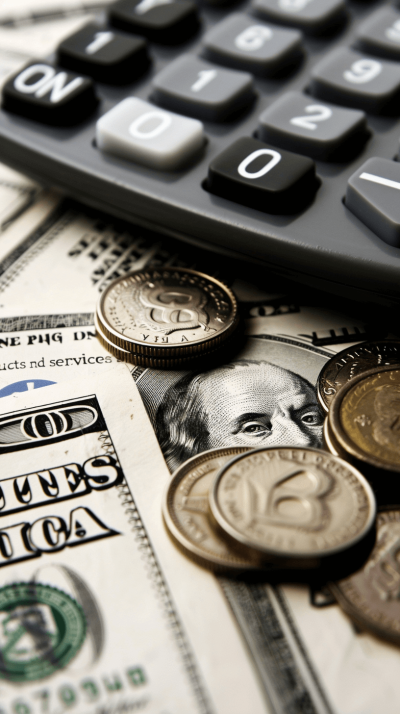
[277, 508]
[360, 390]
[163, 318]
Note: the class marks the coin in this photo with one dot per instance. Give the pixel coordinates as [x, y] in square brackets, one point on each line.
[186, 513]
[329, 440]
[371, 596]
[168, 313]
[364, 418]
[297, 505]
[351, 362]
[138, 359]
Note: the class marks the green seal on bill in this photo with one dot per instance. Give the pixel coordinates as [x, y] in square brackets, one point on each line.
[41, 630]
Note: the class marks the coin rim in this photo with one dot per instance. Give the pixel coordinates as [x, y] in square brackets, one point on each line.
[353, 612]
[340, 435]
[338, 355]
[200, 555]
[200, 346]
[143, 360]
[279, 555]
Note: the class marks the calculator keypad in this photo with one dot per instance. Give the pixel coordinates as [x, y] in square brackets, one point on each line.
[242, 42]
[312, 16]
[168, 22]
[106, 55]
[140, 132]
[198, 88]
[322, 131]
[351, 79]
[258, 175]
[48, 95]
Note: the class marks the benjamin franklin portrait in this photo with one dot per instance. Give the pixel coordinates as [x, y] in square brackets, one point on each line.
[264, 397]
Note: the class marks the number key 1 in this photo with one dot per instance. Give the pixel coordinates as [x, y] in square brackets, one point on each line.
[346, 77]
[322, 131]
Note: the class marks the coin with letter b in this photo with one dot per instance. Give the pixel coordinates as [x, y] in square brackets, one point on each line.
[352, 362]
[167, 314]
[296, 507]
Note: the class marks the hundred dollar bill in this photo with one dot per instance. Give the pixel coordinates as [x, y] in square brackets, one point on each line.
[303, 652]
[98, 613]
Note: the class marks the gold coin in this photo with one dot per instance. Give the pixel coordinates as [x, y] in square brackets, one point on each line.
[364, 418]
[351, 362]
[293, 506]
[167, 313]
[186, 513]
[371, 596]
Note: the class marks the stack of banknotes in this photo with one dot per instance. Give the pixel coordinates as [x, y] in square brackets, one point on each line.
[282, 596]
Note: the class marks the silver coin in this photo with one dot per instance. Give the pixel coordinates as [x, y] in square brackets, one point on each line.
[296, 505]
[168, 313]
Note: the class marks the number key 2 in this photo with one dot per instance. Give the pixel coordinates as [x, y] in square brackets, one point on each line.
[346, 77]
[322, 131]
[257, 175]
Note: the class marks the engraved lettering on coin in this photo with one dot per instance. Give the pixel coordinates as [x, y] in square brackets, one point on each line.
[292, 503]
[351, 362]
[169, 310]
[172, 313]
[371, 596]
[365, 418]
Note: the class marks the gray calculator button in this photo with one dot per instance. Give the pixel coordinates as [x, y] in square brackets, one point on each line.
[242, 42]
[350, 78]
[299, 123]
[312, 16]
[193, 86]
[373, 195]
[148, 135]
[380, 33]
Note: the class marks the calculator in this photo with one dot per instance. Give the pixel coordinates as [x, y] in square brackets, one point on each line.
[267, 130]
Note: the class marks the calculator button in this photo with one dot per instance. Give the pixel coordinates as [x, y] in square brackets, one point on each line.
[192, 86]
[169, 22]
[312, 16]
[349, 78]
[242, 42]
[143, 133]
[41, 92]
[260, 176]
[106, 55]
[299, 123]
[373, 195]
[380, 34]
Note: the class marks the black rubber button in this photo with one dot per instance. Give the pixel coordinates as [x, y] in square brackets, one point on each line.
[106, 55]
[169, 23]
[258, 175]
[52, 96]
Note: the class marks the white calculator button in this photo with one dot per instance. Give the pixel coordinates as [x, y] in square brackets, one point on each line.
[148, 135]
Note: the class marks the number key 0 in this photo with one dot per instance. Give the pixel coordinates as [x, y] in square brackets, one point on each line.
[257, 175]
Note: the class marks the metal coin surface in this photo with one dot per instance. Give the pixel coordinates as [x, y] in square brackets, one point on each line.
[138, 359]
[167, 312]
[297, 504]
[186, 513]
[365, 418]
[330, 444]
[371, 597]
[349, 363]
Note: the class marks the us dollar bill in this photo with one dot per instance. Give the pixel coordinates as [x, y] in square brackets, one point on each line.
[98, 615]
[305, 651]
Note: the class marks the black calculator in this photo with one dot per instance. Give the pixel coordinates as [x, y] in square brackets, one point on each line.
[267, 130]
